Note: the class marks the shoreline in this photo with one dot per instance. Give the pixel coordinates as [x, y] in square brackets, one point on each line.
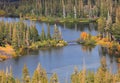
[61, 20]
[10, 52]
[55, 19]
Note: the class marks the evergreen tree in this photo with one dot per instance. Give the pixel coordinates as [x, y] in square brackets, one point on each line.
[36, 78]
[26, 76]
[10, 33]
[17, 80]
[75, 77]
[118, 15]
[63, 6]
[39, 75]
[101, 25]
[116, 31]
[48, 32]
[10, 79]
[81, 8]
[54, 78]
[43, 36]
[103, 8]
[34, 33]
[108, 27]
[57, 33]
[1, 35]
[14, 38]
[28, 36]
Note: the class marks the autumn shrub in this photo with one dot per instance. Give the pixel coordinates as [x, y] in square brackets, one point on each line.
[3, 57]
[87, 39]
[2, 13]
[84, 36]
[118, 48]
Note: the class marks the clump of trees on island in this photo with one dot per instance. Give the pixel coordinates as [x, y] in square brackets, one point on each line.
[21, 36]
[102, 75]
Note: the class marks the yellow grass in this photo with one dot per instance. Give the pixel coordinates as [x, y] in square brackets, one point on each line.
[7, 51]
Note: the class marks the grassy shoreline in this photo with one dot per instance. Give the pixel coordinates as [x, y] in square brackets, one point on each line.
[20, 36]
[61, 20]
[8, 51]
[55, 19]
[89, 40]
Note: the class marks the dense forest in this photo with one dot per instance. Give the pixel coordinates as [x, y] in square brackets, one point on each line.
[65, 8]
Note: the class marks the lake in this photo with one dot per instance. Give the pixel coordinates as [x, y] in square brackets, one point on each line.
[62, 60]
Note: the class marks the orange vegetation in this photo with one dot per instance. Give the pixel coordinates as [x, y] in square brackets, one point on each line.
[6, 52]
[3, 57]
[118, 48]
[84, 35]
[114, 47]
[104, 42]
[109, 44]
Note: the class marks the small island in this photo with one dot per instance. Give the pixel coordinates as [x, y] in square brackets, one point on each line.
[17, 36]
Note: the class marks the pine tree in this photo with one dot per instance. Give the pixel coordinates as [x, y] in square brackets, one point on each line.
[28, 36]
[26, 76]
[63, 8]
[108, 27]
[75, 77]
[1, 34]
[43, 36]
[10, 33]
[14, 38]
[17, 80]
[75, 12]
[103, 8]
[48, 32]
[39, 75]
[34, 33]
[35, 78]
[54, 78]
[57, 33]
[81, 7]
[101, 25]
[118, 15]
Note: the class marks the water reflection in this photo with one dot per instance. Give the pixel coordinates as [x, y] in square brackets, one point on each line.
[80, 26]
[87, 48]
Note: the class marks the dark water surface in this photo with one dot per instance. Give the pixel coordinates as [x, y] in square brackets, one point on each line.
[62, 60]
